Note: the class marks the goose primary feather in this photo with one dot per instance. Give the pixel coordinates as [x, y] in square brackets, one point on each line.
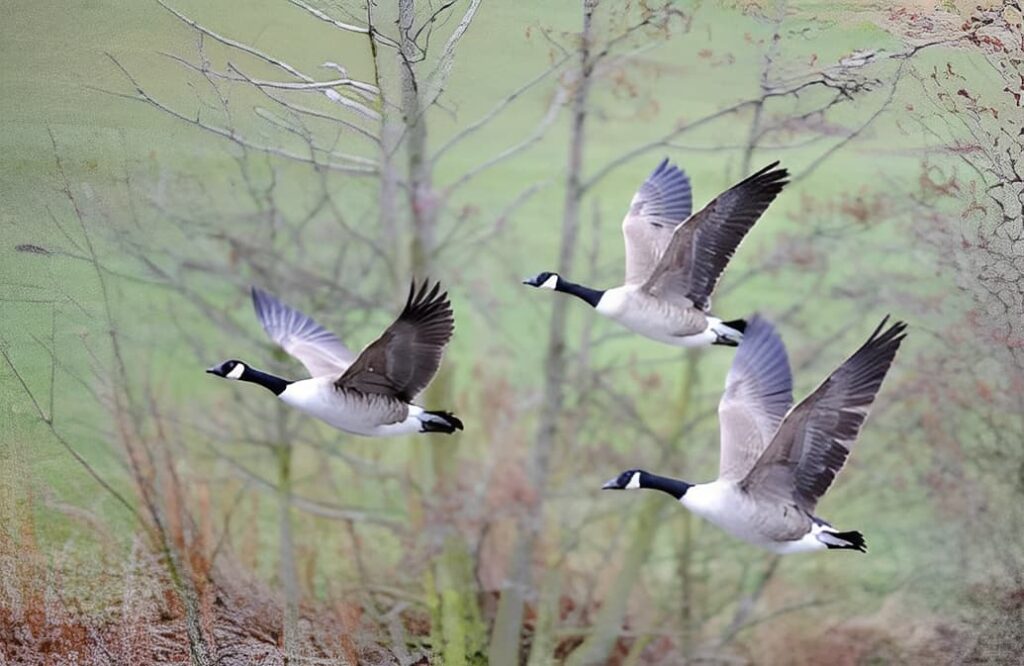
[674, 259]
[776, 460]
[371, 393]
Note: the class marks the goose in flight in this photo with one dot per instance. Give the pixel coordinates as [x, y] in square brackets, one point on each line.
[674, 259]
[776, 461]
[367, 394]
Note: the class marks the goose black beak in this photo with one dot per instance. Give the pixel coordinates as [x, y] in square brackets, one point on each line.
[212, 370]
[612, 484]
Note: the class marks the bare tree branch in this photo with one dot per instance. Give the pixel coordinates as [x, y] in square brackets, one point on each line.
[374, 35]
[230, 133]
[438, 78]
[538, 133]
[236, 44]
[496, 110]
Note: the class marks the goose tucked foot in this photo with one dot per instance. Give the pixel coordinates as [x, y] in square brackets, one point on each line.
[445, 422]
[729, 333]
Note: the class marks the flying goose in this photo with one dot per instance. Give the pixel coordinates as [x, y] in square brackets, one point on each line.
[674, 259]
[370, 394]
[776, 462]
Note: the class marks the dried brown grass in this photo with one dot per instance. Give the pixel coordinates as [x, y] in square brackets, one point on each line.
[146, 625]
[57, 612]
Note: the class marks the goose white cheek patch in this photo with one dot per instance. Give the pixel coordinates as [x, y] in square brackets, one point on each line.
[236, 372]
[634, 482]
[550, 283]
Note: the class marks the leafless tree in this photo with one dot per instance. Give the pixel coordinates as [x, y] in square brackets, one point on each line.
[792, 107]
[971, 215]
[339, 129]
[499, 560]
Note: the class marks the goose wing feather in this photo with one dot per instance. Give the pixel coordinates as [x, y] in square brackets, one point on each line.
[815, 438]
[758, 393]
[700, 249]
[663, 201]
[300, 336]
[403, 360]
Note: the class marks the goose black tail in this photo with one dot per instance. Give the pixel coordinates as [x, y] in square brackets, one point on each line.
[852, 540]
[729, 333]
[737, 324]
[445, 422]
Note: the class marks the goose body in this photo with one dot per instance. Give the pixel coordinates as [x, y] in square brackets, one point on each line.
[369, 394]
[663, 320]
[674, 259]
[741, 515]
[776, 461]
[371, 415]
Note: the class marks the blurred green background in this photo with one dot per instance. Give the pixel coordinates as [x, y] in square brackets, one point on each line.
[130, 237]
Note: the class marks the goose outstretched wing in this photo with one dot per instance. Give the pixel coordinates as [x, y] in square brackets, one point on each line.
[815, 438]
[661, 204]
[403, 360]
[298, 334]
[701, 248]
[758, 393]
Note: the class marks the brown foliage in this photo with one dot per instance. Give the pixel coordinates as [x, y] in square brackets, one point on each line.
[44, 619]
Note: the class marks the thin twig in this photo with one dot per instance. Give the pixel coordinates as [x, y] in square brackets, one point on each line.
[497, 109]
[228, 133]
[348, 27]
[538, 133]
[227, 41]
[438, 78]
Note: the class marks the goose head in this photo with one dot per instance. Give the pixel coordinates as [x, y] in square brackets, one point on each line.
[232, 369]
[631, 479]
[545, 280]
[635, 479]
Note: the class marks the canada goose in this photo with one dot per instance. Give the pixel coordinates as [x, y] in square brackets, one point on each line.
[674, 260]
[370, 394]
[776, 462]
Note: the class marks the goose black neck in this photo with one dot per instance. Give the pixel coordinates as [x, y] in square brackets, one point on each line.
[591, 296]
[268, 381]
[673, 487]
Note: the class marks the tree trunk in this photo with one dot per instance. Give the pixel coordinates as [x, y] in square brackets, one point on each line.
[598, 646]
[286, 545]
[545, 639]
[422, 200]
[754, 133]
[504, 648]
[684, 562]
[451, 591]
[198, 649]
